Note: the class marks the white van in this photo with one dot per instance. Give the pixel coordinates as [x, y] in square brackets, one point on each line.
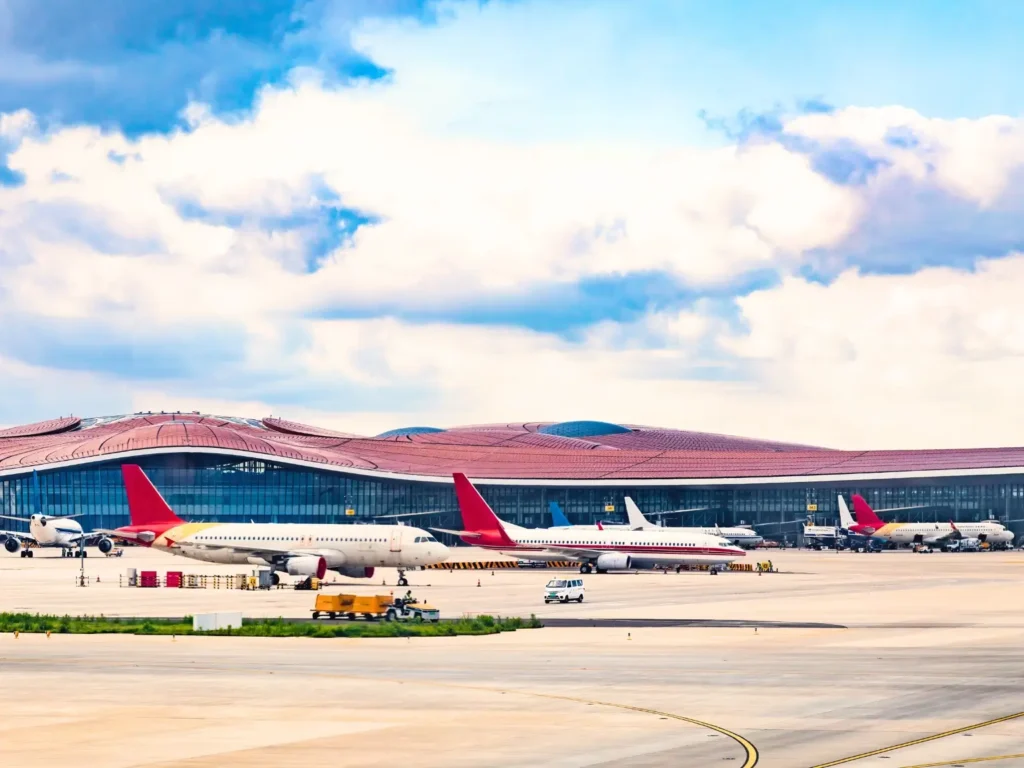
[564, 590]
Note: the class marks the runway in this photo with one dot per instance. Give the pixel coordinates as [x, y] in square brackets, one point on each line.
[924, 671]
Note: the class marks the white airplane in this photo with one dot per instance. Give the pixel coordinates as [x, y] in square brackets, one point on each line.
[294, 548]
[62, 532]
[743, 537]
[594, 549]
[869, 524]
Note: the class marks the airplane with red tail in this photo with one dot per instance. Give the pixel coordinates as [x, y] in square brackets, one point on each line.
[297, 549]
[595, 549]
[869, 524]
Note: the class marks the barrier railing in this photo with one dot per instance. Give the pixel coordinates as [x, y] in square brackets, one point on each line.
[491, 565]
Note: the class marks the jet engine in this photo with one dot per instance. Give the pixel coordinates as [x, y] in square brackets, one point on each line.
[613, 561]
[307, 565]
[356, 572]
[12, 545]
[105, 545]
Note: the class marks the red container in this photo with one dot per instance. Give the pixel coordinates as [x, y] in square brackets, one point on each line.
[147, 579]
[173, 579]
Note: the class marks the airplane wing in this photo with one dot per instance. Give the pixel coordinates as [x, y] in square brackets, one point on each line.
[19, 535]
[410, 514]
[143, 536]
[467, 534]
[572, 553]
[953, 534]
[270, 555]
[900, 509]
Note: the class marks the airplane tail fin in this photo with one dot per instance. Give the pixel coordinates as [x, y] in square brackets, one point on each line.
[558, 518]
[865, 514]
[145, 504]
[637, 521]
[478, 519]
[846, 520]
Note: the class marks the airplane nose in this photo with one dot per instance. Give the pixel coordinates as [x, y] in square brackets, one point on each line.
[443, 552]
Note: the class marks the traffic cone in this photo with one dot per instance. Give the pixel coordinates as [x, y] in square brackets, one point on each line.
[478, 582]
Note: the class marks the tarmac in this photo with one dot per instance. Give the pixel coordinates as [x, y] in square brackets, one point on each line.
[890, 659]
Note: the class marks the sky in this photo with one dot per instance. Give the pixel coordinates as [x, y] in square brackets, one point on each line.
[801, 220]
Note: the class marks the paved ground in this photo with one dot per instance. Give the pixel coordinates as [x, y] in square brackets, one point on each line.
[933, 643]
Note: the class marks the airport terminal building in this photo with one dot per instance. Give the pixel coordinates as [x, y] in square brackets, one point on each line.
[215, 468]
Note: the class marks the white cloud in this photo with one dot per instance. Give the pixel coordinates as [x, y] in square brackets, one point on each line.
[973, 159]
[99, 234]
[458, 217]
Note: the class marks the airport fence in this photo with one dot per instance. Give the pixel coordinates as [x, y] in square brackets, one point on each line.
[491, 565]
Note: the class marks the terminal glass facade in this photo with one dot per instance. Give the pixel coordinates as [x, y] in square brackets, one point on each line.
[217, 488]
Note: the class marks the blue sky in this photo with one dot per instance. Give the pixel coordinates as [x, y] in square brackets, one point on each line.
[331, 209]
[119, 64]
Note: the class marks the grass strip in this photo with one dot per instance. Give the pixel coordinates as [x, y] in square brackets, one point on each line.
[95, 625]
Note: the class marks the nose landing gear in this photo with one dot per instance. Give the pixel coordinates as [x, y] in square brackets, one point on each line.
[402, 581]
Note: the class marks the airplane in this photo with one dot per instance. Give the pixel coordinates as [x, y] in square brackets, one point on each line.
[57, 531]
[738, 535]
[559, 520]
[869, 524]
[293, 548]
[595, 549]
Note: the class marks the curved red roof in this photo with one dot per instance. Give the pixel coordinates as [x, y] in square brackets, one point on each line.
[295, 428]
[513, 451]
[51, 427]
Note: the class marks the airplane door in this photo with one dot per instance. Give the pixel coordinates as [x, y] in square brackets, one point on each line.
[396, 540]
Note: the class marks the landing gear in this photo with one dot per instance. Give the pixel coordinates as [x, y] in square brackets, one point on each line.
[402, 581]
[275, 579]
[586, 568]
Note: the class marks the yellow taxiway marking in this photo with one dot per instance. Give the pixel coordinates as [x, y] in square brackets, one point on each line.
[751, 753]
[923, 740]
[965, 760]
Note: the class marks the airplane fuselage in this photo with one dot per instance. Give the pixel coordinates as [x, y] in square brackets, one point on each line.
[341, 546]
[931, 533]
[55, 531]
[617, 549]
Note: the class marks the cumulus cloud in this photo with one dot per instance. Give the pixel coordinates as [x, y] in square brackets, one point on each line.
[360, 255]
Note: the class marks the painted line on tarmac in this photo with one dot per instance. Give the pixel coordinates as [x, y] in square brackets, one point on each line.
[751, 753]
[965, 760]
[924, 740]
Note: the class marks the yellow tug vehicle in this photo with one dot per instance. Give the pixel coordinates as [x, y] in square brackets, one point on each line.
[374, 608]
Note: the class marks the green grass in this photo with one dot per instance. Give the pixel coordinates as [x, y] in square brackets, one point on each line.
[93, 625]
